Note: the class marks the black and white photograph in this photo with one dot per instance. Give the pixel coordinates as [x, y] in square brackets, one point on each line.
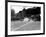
[25, 18]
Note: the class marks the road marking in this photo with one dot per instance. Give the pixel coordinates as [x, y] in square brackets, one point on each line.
[22, 26]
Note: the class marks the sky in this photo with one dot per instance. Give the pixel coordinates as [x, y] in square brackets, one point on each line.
[19, 8]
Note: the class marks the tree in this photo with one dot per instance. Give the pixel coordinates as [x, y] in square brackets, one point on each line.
[12, 12]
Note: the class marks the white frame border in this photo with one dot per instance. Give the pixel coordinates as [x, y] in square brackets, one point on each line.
[24, 32]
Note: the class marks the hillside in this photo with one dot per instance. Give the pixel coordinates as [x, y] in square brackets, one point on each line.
[31, 13]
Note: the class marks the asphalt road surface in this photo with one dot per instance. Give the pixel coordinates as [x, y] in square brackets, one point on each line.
[25, 26]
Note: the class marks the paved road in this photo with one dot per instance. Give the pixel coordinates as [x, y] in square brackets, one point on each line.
[22, 26]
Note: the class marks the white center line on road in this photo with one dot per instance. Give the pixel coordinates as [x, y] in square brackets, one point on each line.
[22, 26]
